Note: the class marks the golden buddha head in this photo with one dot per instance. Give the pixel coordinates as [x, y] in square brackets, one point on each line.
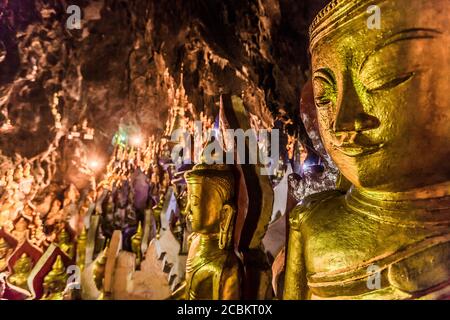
[381, 93]
[210, 199]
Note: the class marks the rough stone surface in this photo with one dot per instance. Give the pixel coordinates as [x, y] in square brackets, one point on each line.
[128, 54]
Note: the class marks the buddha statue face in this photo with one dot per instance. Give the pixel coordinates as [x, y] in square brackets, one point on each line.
[209, 195]
[381, 94]
[204, 198]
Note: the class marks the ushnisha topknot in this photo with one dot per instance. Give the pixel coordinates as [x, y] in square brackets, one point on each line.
[219, 175]
[336, 14]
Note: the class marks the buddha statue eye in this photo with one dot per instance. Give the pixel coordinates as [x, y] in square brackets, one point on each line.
[389, 82]
[324, 88]
[381, 70]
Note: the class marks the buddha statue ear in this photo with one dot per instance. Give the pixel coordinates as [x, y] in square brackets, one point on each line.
[226, 230]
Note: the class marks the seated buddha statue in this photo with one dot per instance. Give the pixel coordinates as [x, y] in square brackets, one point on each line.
[98, 271]
[65, 243]
[157, 210]
[5, 252]
[18, 178]
[27, 180]
[136, 243]
[37, 235]
[81, 249]
[21, 231]
[21, 270]
[54, 215]
[384, 118]
[213, 271]
[55, 282]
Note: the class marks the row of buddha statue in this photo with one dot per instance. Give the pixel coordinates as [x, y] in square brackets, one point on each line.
[381, 121]
[388, 131]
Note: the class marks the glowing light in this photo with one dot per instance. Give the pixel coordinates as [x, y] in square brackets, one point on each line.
[94, 164]
[136, 140]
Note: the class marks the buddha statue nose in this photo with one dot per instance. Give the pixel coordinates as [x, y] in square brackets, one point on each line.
[350, 112]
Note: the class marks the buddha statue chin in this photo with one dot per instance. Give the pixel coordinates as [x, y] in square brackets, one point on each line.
[213, 271]
[384, 118]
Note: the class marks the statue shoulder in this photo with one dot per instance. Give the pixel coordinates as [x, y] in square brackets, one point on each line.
[305, 207]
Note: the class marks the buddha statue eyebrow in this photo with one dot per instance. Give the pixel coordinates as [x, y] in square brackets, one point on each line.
[325, 74]
[405, 34]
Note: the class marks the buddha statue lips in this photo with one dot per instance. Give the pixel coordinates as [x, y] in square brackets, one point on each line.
[354, 144]
[384, 118]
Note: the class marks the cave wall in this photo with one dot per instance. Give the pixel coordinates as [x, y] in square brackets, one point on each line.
[127, 54]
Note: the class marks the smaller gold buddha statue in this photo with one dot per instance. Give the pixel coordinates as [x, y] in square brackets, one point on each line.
[5, 252]
[37, 236]
[136, 242]
[27, 180]
[99, 271]
[18, 173]
[64, 243]
[55, 281]
[54, 215]
[12, 187]
[213, 271]
[3, 181]
[21, 270]
[21, 231]
[81, 248]
[157, 216]
[27, 170]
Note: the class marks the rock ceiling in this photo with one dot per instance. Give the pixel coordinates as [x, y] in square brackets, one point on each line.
[127, 54]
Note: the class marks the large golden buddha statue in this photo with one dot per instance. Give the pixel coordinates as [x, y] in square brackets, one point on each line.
[384, 117]
[213, 271]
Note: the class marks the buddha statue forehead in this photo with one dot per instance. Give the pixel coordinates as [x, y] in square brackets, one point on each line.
[213, 175]
[341, 15]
